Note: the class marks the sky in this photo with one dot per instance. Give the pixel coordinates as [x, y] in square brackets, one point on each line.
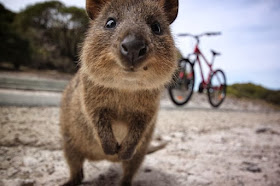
[250, 40]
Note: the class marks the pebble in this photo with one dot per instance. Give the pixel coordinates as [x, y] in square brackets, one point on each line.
[254, 169]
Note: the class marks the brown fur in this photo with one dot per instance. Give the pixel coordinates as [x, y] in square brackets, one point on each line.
[108, 112]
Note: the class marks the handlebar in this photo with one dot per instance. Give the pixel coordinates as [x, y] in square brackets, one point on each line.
[200, 35]
[213, 33]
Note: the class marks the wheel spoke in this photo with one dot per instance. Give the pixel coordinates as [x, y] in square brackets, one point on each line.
[217, 88]
[181, 93]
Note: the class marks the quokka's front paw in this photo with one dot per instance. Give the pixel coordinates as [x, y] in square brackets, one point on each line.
[126, 153]
[110, 148]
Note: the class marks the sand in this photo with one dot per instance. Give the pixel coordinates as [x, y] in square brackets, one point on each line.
[237, 144]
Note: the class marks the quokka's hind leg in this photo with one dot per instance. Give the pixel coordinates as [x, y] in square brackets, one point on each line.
[130, 167]
[75, 162]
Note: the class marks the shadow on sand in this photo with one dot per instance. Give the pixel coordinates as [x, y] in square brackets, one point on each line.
[146, 176]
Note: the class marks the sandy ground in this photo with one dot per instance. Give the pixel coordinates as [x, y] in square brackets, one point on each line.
[237, 144]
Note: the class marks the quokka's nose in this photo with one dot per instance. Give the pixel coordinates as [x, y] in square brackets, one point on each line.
[133, 50]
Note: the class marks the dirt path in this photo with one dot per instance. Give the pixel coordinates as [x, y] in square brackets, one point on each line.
[238, 144]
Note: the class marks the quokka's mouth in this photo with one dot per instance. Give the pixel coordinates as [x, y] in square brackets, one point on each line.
[130, 69]
[135, 69]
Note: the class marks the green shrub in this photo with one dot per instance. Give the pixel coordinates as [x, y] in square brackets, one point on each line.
[252, 91]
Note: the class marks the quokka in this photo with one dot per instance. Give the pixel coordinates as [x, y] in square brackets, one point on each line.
[109, 109]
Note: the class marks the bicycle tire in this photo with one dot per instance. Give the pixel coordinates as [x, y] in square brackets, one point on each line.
[217, 90]
[184, 84]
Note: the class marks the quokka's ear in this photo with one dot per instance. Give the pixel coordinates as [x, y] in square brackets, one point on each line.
[171, 9]
[93, 7]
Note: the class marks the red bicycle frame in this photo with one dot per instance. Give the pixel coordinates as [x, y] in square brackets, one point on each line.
[198, 53]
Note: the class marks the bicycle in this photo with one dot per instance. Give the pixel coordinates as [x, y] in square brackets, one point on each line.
[181, 91]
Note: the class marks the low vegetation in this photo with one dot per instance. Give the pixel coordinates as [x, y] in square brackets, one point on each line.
[252, 91]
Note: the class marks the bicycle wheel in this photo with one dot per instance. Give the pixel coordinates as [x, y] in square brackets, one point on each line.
[217, 88]
[181, 90]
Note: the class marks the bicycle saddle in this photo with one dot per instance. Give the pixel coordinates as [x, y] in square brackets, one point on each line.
[215, 53]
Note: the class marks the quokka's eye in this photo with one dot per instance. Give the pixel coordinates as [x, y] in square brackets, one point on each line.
[111, 23]
[156, 28]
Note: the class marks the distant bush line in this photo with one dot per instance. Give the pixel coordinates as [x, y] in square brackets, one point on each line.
[45, 35]
[253, 91]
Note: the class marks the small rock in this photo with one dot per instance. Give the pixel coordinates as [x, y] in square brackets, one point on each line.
[254, 169]
[266, 130]
[147, 170]
[28, 183]
[262, 130]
